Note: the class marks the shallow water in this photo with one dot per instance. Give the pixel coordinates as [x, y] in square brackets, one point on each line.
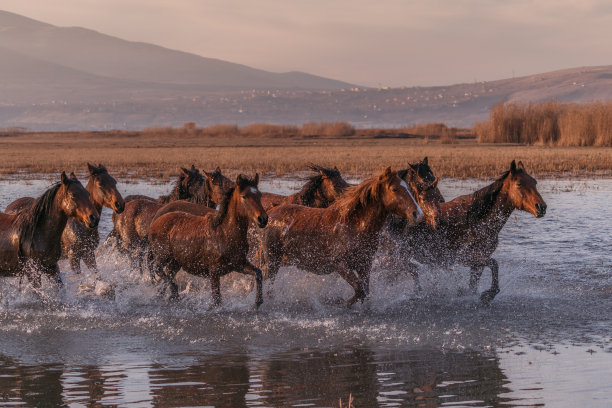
[545, 340]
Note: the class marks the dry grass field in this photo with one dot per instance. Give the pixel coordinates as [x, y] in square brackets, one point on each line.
[131, 155]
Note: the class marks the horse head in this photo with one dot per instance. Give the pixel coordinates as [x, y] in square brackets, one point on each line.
[217, 185]
[249, 199]
[521, 190]
[424, 186]
[102, 189]
[396, 197]
[75, 202]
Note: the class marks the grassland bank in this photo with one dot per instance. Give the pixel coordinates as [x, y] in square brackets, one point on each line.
[141, 155]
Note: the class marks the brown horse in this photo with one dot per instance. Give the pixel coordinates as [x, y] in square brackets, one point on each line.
[211, 245]
[341, 238]
[30, 241]
[469, 227]
[320, 191]
[132, 226]
[78, 241]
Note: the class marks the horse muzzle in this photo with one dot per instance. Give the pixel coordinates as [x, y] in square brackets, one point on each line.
[119, 207]
[540, 209]
[262, 221]
[93, 221]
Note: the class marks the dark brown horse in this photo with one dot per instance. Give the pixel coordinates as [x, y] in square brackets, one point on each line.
[469, 227]
[212, 245]
[132, 226]
[341, 238]
[320, 191]
[79, 242]
[30, 241]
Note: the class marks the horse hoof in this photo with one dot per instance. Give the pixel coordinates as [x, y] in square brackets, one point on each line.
[487, 297]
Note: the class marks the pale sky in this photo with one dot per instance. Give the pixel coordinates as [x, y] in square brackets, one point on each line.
[374, 43]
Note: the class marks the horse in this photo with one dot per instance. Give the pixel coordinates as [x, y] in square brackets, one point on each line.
[132, 225]
[469, 227]
[320, 191]
[79, 242]
[212, 245]
[341, 238]
[30, 241]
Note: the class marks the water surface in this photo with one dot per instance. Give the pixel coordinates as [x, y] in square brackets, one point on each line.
[545, 340]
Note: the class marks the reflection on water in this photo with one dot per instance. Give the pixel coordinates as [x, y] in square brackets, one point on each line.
[544, 340]
[383, 378]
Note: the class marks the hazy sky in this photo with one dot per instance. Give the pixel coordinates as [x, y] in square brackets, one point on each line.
[376, 42]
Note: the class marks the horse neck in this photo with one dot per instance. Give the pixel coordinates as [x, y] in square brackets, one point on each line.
[91, 187]
[493, 208]
[368, 218]
[234, 224]
[53, 223]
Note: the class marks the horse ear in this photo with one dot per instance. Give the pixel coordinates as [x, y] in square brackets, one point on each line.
[402, 173]
[256, 179]
[520, 165]
[386, 174]
[218, 170]
[513, 167]
[91, 168]
[72, 175]
[208, 175]
[425, 161]
[185, 171]
[239, 180]
[336, 168]
[193, 167]
[64, 178]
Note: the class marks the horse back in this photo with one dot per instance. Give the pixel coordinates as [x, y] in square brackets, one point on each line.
[184, 206]
[19, 205]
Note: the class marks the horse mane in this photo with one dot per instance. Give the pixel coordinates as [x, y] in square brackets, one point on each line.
[179, 192]
[224, 204]
[96, 171]
[308, 191]
[358, 197]
[32, 217]
[484, 199]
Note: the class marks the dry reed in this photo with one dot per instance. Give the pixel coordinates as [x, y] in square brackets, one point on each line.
[549, 124]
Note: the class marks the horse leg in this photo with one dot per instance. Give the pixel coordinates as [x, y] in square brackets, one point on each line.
[488, 295]
[253, 270]
[475, 274]
[356, 283]
[412, 270]
[272, 256]
[215, 286]
[89, 258]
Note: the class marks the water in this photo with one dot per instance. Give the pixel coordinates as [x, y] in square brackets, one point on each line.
[545, 340]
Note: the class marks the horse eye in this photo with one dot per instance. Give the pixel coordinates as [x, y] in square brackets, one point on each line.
[395, 189]
[244, 196]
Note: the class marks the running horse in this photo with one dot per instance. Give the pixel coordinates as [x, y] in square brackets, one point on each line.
[30, 241]
[341, 238]
[212, 245]
[132, 226]
[469, 227]
[79, 242]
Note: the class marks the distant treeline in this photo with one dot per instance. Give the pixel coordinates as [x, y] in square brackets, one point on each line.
[548, 123]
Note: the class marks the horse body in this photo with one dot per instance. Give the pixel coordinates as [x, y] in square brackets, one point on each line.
[341, 238]
[469, 227]
[30, 241]
[212, 245]
[132, 226]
